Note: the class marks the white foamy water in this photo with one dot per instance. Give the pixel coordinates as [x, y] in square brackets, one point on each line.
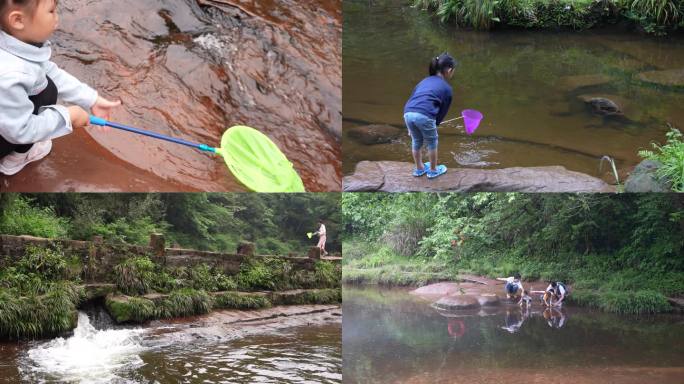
[210, 42]
[89, 356]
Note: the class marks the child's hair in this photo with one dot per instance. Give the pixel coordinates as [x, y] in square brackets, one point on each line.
[441, 64]
[525, 292]
[7, 5]
[516, 276]
[554, 284]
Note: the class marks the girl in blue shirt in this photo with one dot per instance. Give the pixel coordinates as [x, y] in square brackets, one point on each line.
[425, 110]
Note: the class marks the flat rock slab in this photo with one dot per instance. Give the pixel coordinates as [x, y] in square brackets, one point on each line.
[374, 134]
[395, 176]
[571, 83]
[488, 300]
[437, 289]
[456, 302]
[668, 78]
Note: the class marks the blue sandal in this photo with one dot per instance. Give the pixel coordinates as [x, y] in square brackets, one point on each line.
[440, 170]
[420, 172]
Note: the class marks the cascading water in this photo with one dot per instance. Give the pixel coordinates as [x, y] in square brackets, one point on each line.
[89, 356]
[300, 345]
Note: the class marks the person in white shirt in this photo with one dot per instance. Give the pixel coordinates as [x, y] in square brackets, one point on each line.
[30, 85]
[555, 293]
[514, 287]
[321, 233]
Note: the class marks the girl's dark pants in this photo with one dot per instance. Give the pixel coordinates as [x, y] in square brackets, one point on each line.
[47, 97]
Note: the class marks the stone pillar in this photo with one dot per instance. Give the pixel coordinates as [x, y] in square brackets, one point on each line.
[91, 263]
[314, 253]
[158, 245]
[245, 248]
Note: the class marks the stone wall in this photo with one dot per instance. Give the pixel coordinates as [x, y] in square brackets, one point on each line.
[98, 258]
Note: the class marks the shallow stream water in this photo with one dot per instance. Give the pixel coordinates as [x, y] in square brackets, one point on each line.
[528, 84]
[391, 336]
[205, 349]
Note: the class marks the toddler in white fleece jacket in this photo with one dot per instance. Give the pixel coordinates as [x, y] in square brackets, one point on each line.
[30, 85]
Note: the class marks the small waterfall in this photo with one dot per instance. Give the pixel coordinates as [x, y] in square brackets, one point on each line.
[90, 356]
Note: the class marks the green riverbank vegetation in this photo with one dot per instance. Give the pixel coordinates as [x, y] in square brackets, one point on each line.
[621, 253]
[671, 157]
[39, 295]
[40, 292]
[652, 16]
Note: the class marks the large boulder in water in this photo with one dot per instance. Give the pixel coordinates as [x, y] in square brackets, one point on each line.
[668, 78]
[601, 105]
[437, 290]
[488, 300]
[456, 302]
[374, 134]
[644, 179]
[394, 176]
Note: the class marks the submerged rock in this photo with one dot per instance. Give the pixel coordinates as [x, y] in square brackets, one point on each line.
[572, 83]
[374, 133]
[602, 106]
[668, 78]
[644, 178]
[457, 301]
[488, 300]
[438, 289]
[394, 176]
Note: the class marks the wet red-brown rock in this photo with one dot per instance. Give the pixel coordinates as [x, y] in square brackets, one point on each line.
[394, 176]
[192, 72]
[456, 302]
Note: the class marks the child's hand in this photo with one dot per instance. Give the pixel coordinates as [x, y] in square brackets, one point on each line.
[79, 117]
[103, 107]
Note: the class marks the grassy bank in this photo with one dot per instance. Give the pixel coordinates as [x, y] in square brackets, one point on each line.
[40, 292]
[152, 291]
[596, 283]
[190, 302]
[39, 295]
[652, 16]
[622, 253]
[367, 264]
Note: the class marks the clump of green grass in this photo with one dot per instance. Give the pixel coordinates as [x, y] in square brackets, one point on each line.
[140, 275]
[327, 274]
[316, 296]
[135, 276]
[210, 279]
[625, 302]
[36, 300]
[272, 273]
[233, 300]
[671, 156]
[39, 315]
[130, 309]
[185, 302]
